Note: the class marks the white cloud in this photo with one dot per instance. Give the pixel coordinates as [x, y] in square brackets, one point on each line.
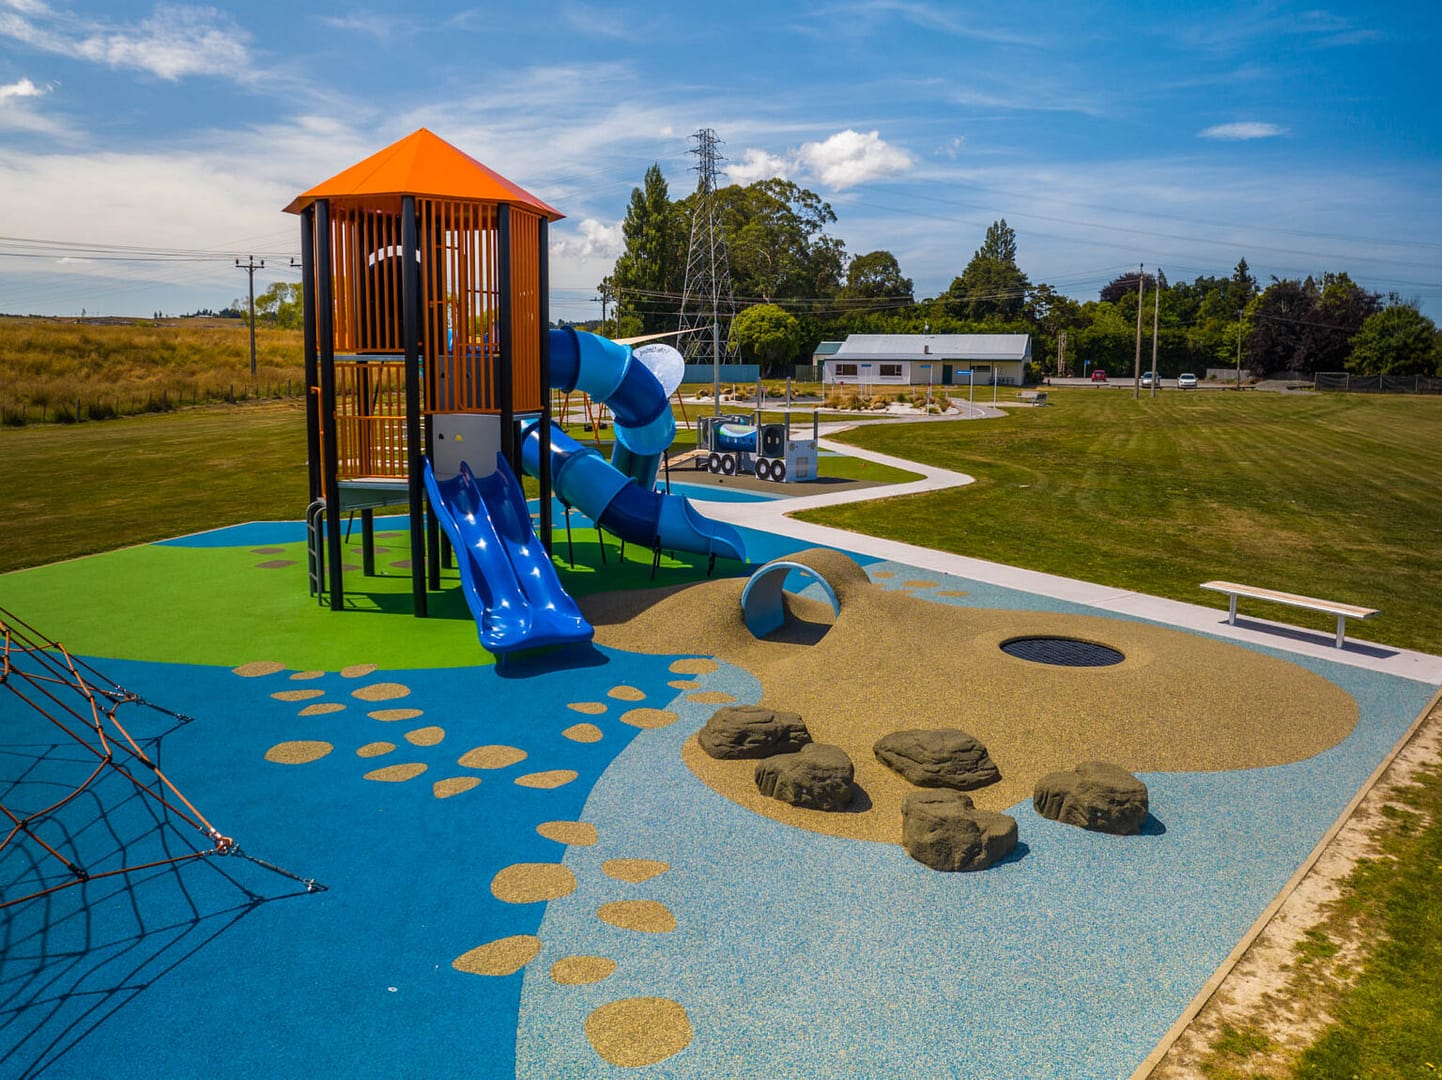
[758, 165]
[24, 88]
[840, 161]
[172, 43]
[597, 241]
[850, 157]
[1241, 131]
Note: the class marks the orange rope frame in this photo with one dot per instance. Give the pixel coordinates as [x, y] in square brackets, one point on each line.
[81, 702]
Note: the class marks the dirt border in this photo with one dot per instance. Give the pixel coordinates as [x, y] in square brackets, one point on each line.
[1257, 971]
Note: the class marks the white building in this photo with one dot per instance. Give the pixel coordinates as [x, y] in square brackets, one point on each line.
[939, 359]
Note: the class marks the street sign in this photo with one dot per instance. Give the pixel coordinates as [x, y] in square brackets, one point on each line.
[961, 372]
[925, 367]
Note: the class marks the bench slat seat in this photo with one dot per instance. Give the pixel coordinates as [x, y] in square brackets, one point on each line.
[1343, 612]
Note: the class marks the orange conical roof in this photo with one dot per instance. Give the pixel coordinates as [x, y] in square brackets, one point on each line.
[422, 164]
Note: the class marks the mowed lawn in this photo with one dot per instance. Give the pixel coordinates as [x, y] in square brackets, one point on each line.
[1337, 496]
[75, 489]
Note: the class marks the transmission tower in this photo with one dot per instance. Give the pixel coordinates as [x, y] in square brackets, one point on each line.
[708, 304]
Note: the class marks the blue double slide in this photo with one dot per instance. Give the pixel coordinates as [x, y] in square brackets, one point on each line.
[507, 576]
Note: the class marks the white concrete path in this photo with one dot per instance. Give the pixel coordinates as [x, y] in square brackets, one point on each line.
[773, 515]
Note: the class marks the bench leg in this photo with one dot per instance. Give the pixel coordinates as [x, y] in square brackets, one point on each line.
[1341, 629]
[1232, 610]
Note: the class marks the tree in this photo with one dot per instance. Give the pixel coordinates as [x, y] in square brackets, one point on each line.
[1124, 285]
[877, 276]
[766, 334]
[1398, 340]
[1338, 314]
[992, 285]
[1278, 321]
[279, 306]
[649, 275]
[777, 244]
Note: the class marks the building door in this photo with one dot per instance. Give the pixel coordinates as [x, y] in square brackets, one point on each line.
[946, 375]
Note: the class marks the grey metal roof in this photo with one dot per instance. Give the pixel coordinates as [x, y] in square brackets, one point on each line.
[935, 346]
[826, 348]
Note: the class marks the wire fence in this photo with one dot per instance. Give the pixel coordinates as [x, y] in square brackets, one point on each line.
[111, 406]
[1347, 383]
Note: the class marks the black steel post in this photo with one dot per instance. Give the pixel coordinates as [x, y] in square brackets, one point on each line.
[415, 448]
[504, 374]
[312, 376]
[325, 332]
[543, 432]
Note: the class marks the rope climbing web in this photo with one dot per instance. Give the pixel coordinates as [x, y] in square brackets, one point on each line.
[51, 807]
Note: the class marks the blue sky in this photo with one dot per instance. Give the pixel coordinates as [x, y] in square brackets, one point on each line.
[1302, 138]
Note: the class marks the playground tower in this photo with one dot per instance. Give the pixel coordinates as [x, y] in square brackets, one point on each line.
[425, 285]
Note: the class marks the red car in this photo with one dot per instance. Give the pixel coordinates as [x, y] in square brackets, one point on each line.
[1099, 375]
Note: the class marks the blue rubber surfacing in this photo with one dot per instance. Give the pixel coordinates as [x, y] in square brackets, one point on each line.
[794, 953]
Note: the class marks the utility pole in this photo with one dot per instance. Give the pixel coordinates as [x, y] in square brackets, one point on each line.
[708, 303]
[250, 266]
[1156, 319]
[1061, 369]
[1239, 350]
[1137, 366]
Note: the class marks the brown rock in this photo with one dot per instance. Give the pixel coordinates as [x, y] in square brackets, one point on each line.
[939, 758]
[818, 777]
[944, 830]
[736, 732]
[1095, 795]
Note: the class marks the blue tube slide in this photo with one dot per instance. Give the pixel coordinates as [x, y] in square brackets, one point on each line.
[507, 576]
[612, 374]
[581, 477]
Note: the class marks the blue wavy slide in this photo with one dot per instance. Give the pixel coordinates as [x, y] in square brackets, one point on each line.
[636, 387]
[507, 575]
[581, 477]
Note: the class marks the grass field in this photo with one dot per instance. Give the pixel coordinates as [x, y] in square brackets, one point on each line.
[1338, 496]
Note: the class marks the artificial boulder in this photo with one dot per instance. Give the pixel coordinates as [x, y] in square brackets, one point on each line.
[939, 758]
[736, 732]
[817, 777]
[1095, 795]
[944, 830]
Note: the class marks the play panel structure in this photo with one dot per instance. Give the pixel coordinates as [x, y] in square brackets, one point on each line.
[430, 361]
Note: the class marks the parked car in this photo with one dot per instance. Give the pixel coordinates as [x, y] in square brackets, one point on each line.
[1186, 381]
[1150, 378]
[1099, 375]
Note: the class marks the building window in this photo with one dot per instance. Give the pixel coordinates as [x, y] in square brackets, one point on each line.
[891, 371]
[846, 369]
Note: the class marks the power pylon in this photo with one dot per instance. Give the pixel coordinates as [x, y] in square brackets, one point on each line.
[708, 304]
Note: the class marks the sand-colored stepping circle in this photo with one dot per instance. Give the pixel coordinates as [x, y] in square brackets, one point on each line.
[297, 695]
[256, 668]
[650, 718]
[634, 870]
[504, 956]
[696, 665]
[638, 1031]
[491, 757]
[455, 785]
[952, 592]
[375, 749]
[357, 671]
[306, 676]
[425, 736]
[298, 752]
[685, 684]
[530, 883]
[583, 733]
[645, 916]
[381, 691]
[550, 778]
[582, 970]
[397, 774]
[626, 693]
[588, 708]
[579, 833]
[322, 708]
[391, 715]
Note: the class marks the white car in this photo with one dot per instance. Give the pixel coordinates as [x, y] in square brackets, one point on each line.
[1186, 381]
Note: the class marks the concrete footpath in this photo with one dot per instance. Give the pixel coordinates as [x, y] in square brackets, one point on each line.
[774, 515]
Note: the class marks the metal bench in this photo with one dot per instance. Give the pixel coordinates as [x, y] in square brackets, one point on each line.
[1036, 397]
[1311, 603]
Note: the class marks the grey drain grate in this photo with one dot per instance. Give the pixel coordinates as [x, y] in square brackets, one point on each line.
[1062, 652]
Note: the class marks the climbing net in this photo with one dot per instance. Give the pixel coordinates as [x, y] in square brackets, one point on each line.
[85, 706]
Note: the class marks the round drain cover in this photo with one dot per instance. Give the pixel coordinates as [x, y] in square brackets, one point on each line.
[1062, 652]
